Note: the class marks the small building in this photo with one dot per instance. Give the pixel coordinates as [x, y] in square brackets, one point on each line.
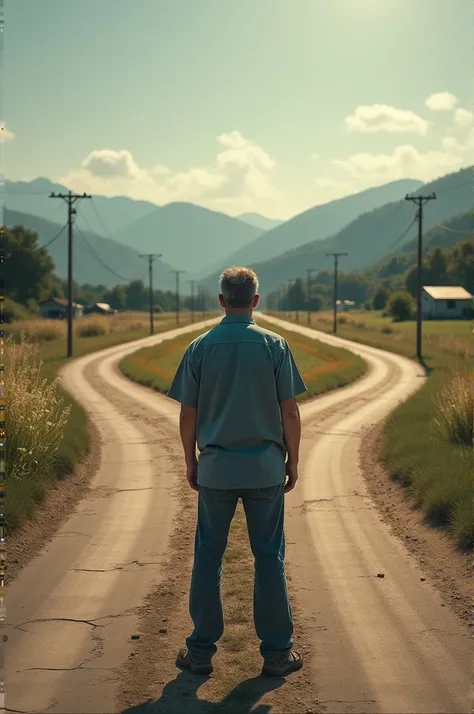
[99, 308]
[56, 308]
[441, 303]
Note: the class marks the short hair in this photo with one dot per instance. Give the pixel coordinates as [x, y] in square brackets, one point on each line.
[239, 286]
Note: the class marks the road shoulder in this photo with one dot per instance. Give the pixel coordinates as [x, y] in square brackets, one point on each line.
[449, 569]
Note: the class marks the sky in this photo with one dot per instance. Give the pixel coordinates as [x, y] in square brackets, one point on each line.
[271, 106]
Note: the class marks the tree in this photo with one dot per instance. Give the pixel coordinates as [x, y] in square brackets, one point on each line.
[400, 306]
[136, 295]
[116, 297]
[29, 267]
[380, 299]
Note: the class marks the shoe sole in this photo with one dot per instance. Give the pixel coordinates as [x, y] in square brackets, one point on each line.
[281, 672]
[196, 669]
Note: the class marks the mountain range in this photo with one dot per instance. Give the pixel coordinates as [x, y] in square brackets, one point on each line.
[317, 223]
[369, 226]
[370, 237]
[190, 237]
[259, 221]
[91, 253]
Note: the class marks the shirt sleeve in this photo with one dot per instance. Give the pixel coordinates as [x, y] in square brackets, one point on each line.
[185, 386]
[289, 382]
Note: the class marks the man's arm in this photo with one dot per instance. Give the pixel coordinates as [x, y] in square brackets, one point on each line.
[291, 423]
[187, 429]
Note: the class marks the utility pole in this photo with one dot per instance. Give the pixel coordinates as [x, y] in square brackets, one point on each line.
[420, 202]
[309, 271]
[193, 307]
[177, 274]
[71, 199]
[336, 257]
[151, 257]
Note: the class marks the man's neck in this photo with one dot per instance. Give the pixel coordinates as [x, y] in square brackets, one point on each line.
[236, 311]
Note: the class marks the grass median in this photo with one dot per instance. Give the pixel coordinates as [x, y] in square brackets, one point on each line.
[30, 398]
[426, 444]
[323, 368]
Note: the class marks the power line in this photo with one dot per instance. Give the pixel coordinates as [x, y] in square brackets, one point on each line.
[99, 259]
[100, 220]
[400, 238]
[53, 239]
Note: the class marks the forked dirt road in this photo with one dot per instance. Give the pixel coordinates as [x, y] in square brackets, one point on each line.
[379, 644]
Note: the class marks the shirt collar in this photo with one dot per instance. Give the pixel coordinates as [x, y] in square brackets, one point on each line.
[238, 318]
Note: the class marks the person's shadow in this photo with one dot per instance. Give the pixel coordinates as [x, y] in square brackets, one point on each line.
[180, 695]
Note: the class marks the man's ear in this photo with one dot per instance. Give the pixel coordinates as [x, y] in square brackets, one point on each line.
[222, 300]
[255, 301]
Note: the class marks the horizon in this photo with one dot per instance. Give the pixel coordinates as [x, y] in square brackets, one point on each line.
[310, 126]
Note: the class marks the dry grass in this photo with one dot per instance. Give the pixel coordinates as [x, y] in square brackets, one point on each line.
[455, 409]
[37, 420]
[38, 330]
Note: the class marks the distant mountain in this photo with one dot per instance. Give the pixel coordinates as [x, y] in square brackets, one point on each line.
[190, 237]
[318, 223]
[110, 216]
[259, 221]
[370, 237]
[89, 262]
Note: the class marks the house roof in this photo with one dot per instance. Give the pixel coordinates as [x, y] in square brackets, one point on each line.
[448, 293]
[62, 302]
[102, 306]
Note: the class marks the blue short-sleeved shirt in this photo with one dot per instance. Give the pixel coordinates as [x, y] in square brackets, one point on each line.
[236, 375]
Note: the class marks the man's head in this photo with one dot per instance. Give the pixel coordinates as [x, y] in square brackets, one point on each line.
[239, 290]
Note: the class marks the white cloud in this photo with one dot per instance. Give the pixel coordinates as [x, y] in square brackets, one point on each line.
[463, 117]
[315, 157]
[407, 161]
[370, 119]
[5, 134]
[441, 101]
[108, 163]
[241, 175]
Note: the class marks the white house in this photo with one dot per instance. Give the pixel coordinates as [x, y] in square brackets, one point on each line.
[56, 308]
[439, 303]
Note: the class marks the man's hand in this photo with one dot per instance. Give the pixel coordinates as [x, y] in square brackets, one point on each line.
[191, 474]
[292, 473]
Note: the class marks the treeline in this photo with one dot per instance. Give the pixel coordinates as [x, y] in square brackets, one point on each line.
[30, 278]
[372, 289]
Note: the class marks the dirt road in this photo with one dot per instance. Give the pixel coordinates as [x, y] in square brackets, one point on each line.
[380, 644]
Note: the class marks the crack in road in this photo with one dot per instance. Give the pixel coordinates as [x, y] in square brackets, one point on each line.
[117, 567]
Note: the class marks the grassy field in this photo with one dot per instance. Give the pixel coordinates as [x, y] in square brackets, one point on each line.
[91, 334]
[322, 367]
[417, 450]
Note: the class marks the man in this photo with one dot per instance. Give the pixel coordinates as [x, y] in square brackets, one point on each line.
[237, 385]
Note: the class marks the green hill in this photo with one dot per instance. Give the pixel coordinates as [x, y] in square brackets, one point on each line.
[370, 237]
[90, 260]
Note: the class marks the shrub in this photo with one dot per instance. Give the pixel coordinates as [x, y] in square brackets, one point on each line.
[387, 330]
[13, 311]
[36, 418]
[39, 330]
[400, 306]
[92, 326]
[455, 409]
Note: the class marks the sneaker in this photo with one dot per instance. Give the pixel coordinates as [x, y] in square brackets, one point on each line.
[287, 664]
[185, 660]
